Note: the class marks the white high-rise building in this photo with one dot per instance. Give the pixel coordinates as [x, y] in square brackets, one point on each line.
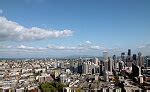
[85, 68]
[106, 76]
[96, 61]
[63, 78]
[105, 59]
[105, 55]
[110, 64]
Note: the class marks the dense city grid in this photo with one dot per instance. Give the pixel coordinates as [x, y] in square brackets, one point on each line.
[125, 73]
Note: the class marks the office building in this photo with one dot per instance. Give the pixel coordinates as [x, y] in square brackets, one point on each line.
[105, 56]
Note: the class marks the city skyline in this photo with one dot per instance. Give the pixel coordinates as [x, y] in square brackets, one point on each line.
[47, 28]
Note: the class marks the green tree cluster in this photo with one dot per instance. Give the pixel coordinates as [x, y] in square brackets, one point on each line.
[52, 87]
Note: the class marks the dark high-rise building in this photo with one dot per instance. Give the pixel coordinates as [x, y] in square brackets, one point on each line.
[147, 63]
[129, 52]
[129, 59]
[114, 61]
[75, 70]
[123, 56]
[80, 66]
[134, 57]
[101, 70]
[114, 57]
[135, 70]
[110, 65]
[139, 54]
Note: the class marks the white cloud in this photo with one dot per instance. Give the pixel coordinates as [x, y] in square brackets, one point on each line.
[1, 11]
[90, 45]
[145, 46]
[88, 42]
[23, 47]
[145, 49]
[95, 47]
[87, 45]
[84, 48]
[142, 46]
[10, 30]
[53, 47]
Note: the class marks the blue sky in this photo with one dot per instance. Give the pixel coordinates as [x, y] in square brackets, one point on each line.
[75, 27]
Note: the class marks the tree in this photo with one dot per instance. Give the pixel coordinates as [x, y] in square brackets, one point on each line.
[52, 87]
[78, 90]
[47, 87]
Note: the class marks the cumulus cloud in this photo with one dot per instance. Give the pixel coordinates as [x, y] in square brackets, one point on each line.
[53, 47]
[23, 47]
[82, 47]
[85, 48]
[10, 30]
[88, 42]
[87, 45]
[90, 45]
